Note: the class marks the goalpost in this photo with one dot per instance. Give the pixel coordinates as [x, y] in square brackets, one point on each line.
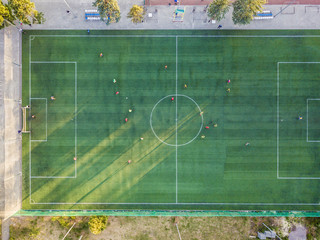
[24, 120]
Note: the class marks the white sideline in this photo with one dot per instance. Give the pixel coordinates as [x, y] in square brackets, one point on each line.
[182, 36]
[191, 36]
[182, 203]
[176, 119]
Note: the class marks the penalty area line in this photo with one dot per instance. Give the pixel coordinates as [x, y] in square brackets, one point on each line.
[249, 204]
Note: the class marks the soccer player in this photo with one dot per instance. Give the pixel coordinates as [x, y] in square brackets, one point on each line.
[207, 127]
[165, 67]
[75, 158]
[101, 55]
[129, 161]
[300, 118]
[185, 85]
[114, 80]
[172, 99]
[228, 90]
[141, 138]
[117, 92]
[33, 116]
[126, 119]
[228, 81]
[52, 98]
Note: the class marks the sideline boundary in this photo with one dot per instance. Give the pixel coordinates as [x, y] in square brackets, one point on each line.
[181, 36]
[176, 36]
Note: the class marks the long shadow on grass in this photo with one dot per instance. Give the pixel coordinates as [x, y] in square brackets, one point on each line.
[119, 165]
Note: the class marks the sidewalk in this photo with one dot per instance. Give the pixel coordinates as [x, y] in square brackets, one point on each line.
[292, 17]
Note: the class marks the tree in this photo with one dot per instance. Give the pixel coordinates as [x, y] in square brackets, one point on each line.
[6, 16]
[136, 14]
[218, 9]
[244, 10]
[97, 224]
[22, 9]
[38, 17]
[108, 10]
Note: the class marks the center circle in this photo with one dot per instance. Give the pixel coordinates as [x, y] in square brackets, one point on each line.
[176, 120]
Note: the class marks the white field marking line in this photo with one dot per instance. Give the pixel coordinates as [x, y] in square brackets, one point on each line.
[75, 116]
[172, 95]
[278, 110]
[300, 178]
[24, 112]
[42, 140]
[310, 99]
[30, 159]
[299, 62]
[51, 177]
[30, 121]
[185, 36]
[298, 204]
[53, 62]
[278, 99]
[249, 204]
[307, 120]
[176, 119]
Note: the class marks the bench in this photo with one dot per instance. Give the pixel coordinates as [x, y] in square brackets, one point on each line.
[92, 15]
[263, 15]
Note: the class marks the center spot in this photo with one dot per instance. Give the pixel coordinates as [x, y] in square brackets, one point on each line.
[176, 122]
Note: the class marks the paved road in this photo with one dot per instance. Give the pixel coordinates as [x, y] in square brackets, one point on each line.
[291, 17]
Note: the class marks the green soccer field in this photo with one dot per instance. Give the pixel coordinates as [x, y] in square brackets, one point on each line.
[155, 124]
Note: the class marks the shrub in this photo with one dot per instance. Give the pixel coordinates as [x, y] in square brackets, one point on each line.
[97, 224]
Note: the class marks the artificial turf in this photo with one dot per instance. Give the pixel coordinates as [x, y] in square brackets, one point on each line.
[254, 155]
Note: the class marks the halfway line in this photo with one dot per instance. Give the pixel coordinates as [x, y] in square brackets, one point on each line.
[176, 119]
